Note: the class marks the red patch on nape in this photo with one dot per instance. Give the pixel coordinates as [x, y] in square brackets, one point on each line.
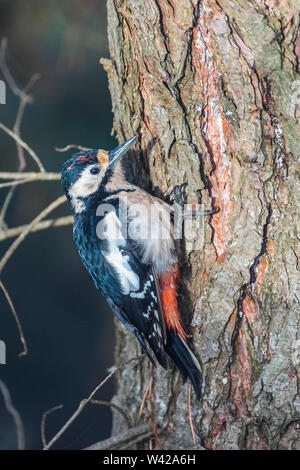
[82, 159]
[168, 285]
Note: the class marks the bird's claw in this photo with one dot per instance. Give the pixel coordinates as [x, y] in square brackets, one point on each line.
[193, 214]
[180, 197]
[178, 194]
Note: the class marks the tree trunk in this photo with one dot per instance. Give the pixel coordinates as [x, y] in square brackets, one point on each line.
[212, 91]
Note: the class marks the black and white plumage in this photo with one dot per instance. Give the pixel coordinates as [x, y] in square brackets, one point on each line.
[130, 256]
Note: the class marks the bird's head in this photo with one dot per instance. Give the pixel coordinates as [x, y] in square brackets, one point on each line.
[86, 172]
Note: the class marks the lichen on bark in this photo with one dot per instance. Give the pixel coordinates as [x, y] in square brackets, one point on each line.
[212, 91]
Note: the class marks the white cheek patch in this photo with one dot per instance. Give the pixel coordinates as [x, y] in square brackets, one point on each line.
[86, 185]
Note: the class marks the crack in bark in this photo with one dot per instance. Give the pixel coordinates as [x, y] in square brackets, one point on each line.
[162, 30]
[280, 162]
[296, 49]
[253, 268]
[246, 293]
[266, 95]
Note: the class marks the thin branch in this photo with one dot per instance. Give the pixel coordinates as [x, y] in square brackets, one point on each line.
[12, 307]
[43, 422]
[17, 182]
[25, 98]
[7, 75]
[5, 205]
[22, 162]
[60, 200]
[84, 402]
[125, 439]
[147, 392]
[71, 146]
[12, 184]
[116, 407]
[15, 414]
[190, 414]
[154, 427]
[14, 232]
[32, 175]
[23, 144]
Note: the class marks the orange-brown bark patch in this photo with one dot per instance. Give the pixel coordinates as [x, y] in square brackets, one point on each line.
[216, 132]
[241, 376]
[271, 247]
[261, 269]
[263, 263]
[249, 307]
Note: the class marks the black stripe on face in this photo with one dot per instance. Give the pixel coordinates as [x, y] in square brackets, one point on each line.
[122, 190]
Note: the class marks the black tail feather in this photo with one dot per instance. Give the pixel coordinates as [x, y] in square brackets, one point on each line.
[144, 347]
[185, 360]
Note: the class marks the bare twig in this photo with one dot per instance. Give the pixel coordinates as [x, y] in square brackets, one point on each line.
[15, 414]
[25, 98]
[116, 407]
[9, 78]
[71, 146]
[23, 144]
[12, 307]
[125, 439]
[12, 184]
[155, 432]
[18, 181]
[43, 422]
[84, 402]
[32, 175]
[147, 392]
[190, 415]
[60, 200]
[14, 232]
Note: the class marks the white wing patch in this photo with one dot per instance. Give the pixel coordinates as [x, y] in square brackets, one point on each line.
[141, 295]
[128, 279]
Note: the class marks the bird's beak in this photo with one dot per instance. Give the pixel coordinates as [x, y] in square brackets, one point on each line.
[117, 153]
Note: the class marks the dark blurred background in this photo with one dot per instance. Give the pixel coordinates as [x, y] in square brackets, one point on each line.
[67, 325]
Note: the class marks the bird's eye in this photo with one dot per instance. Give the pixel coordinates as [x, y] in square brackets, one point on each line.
[95, 170]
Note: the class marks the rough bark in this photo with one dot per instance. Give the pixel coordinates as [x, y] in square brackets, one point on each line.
[212, 91]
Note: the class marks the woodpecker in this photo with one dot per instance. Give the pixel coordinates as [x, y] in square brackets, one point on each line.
[125, 239]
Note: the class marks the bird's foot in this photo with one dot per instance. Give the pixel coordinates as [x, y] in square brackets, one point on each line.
[180, 199]
[179, 194]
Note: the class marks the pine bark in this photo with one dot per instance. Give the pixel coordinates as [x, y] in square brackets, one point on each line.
[212, 91]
